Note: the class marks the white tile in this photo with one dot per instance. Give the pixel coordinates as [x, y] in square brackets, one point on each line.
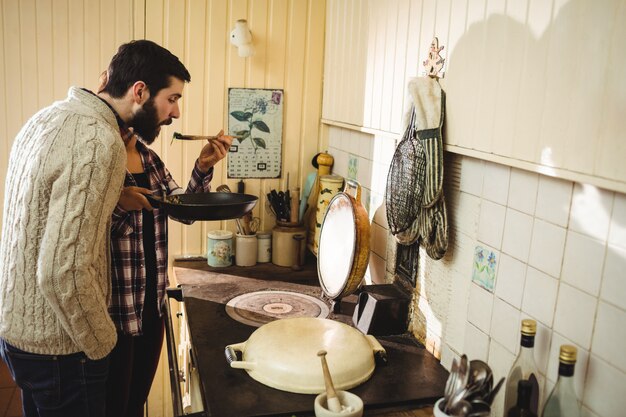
[376, 269]
[586, 412]
[575, 313]
[617, 231]
[539, 296]
[543, 338]
[379, 237]
[523, 190]
[466, 216]
[518, 229]
[510, 280]
[500, 361]
[581, 362]
[553, 200]
[609, 337]
[496, 183]
[604, 389]
[447, 356]
[491, 224]
[480, 308]
[476, 343]
[364, 174]
[340, 164]
[472, 171]
[504, 324]
[591, 211]
[582, 262]
[547, 247]
[613, 281]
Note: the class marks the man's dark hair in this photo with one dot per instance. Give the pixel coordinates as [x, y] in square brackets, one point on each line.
[143, 60]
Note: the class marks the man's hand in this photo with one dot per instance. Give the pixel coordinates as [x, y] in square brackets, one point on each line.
[214, 151]
[133, 198]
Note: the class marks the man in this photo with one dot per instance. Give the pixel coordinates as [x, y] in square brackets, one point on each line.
[65, 174]
[139, 241]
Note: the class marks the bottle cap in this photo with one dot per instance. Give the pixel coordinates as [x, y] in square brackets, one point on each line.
[568, 354]
[529, 327]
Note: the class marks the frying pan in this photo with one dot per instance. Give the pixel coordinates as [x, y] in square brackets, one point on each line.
[205, 206]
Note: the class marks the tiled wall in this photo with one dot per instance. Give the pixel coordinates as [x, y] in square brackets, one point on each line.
[521, 245]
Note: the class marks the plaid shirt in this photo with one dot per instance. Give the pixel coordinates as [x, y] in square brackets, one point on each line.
[128, 260]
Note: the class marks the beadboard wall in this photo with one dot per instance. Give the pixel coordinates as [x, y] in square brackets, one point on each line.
[558, 252]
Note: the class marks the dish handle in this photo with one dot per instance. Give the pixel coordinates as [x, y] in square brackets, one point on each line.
[231, 357]
[354, 187]
[379, 351]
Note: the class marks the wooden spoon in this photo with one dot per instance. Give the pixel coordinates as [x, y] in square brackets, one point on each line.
[332, 401]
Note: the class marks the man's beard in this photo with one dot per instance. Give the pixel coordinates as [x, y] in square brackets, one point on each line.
[146, 122]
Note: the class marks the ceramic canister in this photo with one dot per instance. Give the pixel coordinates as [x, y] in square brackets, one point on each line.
[245, 250]
[219, 248]
[287, 251]
[264, 247]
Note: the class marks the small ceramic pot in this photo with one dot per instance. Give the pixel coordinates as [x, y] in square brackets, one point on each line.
[245, 250]
[352, 405]
[437, 408]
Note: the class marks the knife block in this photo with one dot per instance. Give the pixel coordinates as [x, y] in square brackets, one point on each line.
[382, 310]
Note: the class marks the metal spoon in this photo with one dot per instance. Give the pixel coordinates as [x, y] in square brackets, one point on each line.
[460, 409]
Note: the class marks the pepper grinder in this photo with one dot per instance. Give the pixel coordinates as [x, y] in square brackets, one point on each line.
[297, 266]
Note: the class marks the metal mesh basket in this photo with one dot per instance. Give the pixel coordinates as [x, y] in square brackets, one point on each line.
[405, 181]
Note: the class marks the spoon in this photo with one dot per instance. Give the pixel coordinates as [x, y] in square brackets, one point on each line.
[460, 409]
[332, 401]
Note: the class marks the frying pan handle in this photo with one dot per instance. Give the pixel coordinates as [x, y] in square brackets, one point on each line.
[379, 350]
[354, 186]
[231, 357]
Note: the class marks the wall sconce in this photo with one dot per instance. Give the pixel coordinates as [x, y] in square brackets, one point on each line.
[241, 37]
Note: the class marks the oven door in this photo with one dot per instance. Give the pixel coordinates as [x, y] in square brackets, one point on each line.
[187, 395]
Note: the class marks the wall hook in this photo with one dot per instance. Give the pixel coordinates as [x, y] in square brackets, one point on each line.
[434, 62]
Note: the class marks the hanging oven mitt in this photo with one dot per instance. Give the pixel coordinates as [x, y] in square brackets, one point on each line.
[429, 101]
[434, 229]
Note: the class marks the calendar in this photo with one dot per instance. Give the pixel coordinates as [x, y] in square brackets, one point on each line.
[255, 118]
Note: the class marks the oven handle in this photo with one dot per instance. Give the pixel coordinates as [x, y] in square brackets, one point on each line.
[177, 400]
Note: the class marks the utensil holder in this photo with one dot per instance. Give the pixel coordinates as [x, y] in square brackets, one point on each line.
[245, 250]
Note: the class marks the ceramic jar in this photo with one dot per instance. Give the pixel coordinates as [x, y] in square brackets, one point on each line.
[329, 186]
[219, 248]
[287, 251]
[245, 250]
[264, 247]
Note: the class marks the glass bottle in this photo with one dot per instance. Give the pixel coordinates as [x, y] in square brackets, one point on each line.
[522, 409]
[524, 367]
[562, 401]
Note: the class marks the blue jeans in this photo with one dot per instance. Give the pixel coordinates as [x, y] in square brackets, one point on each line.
[58, 385]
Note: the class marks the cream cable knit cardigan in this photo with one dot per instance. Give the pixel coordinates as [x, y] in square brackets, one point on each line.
[65, 174]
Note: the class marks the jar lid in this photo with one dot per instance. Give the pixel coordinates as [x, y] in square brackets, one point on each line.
[264, 235]
[220, 234]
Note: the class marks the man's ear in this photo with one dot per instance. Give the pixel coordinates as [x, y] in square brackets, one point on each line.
[141, 94]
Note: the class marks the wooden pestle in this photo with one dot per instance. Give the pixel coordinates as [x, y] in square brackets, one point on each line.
[332, 401]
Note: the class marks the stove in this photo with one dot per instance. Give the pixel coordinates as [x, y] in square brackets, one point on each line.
[224, 306]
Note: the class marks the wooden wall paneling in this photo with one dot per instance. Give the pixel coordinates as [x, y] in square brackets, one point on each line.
[123, 24]
[76, 49]
[349, 73]
[94, 63]
[401, 76]
[5, 140]
[12, 54]
[454, 78]
[294, 82]
[415, 53]
[275, 67]
[368, 90]
[492, 51]
[515, 41]
[107, 39]
[389, 18]
[195, 28]
[581, 140]
[28, 46]
[610, 159]
[380, 29]
[560, 80]
[331, 17]
[534, 82]
[45, 80]
[215, 90]
[60, 48]
[255, 72]
[314, 67]
[359, 66]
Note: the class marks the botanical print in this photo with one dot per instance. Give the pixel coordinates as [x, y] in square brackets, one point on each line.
[255, 120]
[484, 268]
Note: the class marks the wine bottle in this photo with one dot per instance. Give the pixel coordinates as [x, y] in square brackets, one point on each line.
[522, 409]
[524, 367]
[562, 401]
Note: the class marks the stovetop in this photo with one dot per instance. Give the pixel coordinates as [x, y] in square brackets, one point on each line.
[411, 376]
